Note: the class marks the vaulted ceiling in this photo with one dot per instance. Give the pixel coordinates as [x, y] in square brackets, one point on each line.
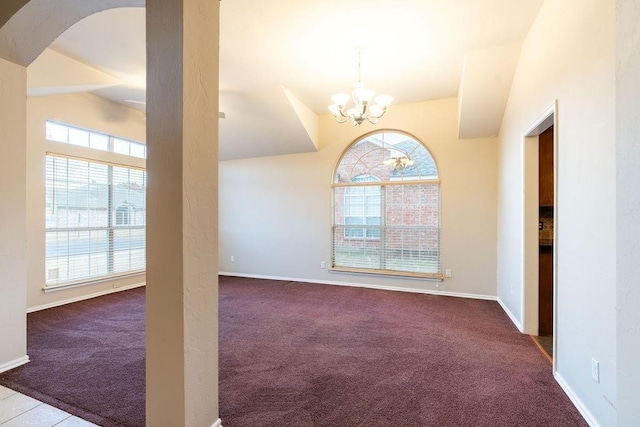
[281, 61]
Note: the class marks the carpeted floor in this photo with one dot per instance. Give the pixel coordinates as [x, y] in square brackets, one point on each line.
[87, 358]
[296, 354]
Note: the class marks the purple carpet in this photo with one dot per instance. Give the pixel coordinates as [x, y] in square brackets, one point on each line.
[87, 358]
[296, 354]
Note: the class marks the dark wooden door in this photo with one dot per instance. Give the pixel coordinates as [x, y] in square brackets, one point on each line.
[545, 272]
[545, 167]
[545, 301]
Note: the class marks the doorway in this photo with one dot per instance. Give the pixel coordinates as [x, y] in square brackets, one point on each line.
[540, 244]
[545, 240]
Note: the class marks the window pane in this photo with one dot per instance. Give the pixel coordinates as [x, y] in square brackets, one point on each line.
[90, 209]
[390, 156]
[70, 134]
[129, 248]
[56, 132]
[99, 141]
[138, 150]
[78, 137]
[355, 253]
[120, 146]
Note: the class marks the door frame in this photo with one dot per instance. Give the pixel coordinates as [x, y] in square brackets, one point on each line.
[530, 218]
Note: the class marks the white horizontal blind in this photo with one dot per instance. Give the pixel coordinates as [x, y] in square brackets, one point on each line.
[95, 220]
[407, 238]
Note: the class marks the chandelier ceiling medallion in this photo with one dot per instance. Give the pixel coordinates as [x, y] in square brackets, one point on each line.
[363, 109]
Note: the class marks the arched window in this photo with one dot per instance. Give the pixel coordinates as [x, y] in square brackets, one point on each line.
[386, 207]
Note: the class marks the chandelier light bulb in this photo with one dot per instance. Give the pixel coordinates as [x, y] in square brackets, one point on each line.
[384, 100]
[362, 94]
[376, 110]
[340, 99]
[363, 108]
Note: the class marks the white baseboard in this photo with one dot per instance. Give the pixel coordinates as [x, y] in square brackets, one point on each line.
[363, 285]
[13, 363]
[217, 423]
[511, 315]
[84, 297]
[580, 406]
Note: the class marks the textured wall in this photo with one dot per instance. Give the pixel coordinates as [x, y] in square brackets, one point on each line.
[628, 211]
[275, 212]
[569, 56]
[13, 244]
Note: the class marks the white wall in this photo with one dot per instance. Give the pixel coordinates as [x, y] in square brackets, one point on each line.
[275, 212]
[13, 246]
[85, 111]
[569, 55]
[628, 211]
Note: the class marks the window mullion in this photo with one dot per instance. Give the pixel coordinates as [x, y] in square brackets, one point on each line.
[110, 220]
[383, 228]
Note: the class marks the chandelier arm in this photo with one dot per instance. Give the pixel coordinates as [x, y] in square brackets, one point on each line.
[365, 109]
[372, 119]
[343, 113]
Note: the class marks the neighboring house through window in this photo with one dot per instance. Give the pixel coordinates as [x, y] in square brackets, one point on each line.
[123, 215]
[386, 215]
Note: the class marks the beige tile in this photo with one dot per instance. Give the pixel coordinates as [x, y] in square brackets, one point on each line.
[75, 422]
[40, 416]
[5, 392]
[15, 405]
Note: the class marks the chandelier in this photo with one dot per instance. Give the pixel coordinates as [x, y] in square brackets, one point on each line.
[399, 162]
[363, 109]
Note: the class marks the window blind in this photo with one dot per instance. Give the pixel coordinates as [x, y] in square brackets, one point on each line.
[406, 237]
[95, 220]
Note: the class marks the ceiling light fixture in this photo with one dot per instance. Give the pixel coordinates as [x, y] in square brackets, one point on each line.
[361, 97]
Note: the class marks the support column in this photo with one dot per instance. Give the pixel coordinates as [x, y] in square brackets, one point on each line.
[182, 220]
[13, 214]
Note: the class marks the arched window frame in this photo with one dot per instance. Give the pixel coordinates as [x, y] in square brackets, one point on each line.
[405, 241]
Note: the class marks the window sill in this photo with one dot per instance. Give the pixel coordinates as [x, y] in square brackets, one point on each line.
[434, 277]
[98, 280]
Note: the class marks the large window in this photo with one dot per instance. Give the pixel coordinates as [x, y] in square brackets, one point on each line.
[386, 215]
[67, 134]
[95, 220]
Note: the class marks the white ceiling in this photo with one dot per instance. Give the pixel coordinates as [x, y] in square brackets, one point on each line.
[414, 50]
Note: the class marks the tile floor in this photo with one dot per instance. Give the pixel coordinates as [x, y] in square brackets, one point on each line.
[18, 410]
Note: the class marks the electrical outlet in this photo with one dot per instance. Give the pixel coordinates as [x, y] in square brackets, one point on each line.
[595, 370]
[233, 258]
[116, 285]
[323, 264]
[447, 272]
